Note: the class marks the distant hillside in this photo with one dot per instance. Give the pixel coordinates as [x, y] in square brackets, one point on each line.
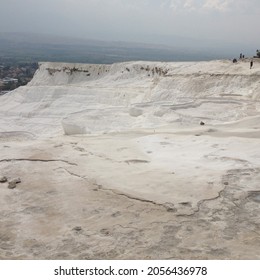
[91, 98]
[25, 47]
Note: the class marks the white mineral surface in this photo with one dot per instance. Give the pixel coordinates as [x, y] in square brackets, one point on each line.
[113, 162]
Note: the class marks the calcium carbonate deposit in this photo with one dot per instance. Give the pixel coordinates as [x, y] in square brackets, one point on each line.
[135, 160]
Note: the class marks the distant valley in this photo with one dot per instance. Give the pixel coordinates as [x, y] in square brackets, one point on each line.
[25, 48]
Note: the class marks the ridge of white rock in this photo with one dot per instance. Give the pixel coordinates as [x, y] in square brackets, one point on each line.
[136, 173]
[89, 98]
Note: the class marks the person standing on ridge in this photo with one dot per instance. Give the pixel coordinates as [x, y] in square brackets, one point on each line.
[251, 64]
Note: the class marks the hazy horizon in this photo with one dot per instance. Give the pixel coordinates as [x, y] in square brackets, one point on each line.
[202, 23]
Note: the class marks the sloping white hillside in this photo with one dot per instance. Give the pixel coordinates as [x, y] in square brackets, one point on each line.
[82, 98]
[133, 160]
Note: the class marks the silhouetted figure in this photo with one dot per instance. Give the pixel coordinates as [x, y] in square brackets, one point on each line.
[234, 60]
[251, 64]
[241, 56]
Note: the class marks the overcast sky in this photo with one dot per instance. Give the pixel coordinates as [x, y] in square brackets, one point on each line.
[229, 21]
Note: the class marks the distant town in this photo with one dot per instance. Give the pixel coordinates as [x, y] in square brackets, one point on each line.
[15, 75]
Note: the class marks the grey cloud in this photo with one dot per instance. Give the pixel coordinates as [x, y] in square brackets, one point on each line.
[135, 20]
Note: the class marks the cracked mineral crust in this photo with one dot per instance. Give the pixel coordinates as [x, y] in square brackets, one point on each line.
[116, 165]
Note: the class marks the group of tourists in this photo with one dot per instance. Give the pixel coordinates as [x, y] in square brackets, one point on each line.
[242, 56]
